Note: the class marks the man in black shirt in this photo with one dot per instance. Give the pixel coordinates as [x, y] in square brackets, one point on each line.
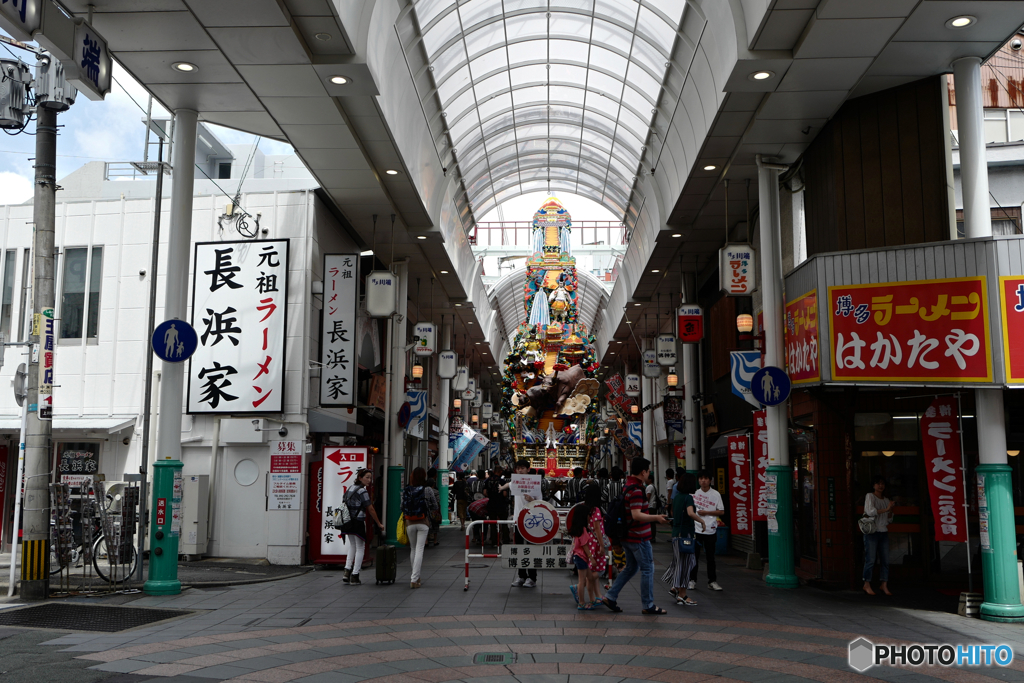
[461, 497]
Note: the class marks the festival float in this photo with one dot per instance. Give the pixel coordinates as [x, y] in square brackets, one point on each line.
[549, 394]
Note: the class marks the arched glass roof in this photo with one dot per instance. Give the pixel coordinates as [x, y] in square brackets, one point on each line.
[547, 94]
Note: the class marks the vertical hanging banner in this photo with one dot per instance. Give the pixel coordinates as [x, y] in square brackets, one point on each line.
[666, 347]
[801, 333]
[239, 310]
[417, 399]
[691, 323]
[425, 335]
[447, 364]
[651, 367]
[635, 431]
[632, 385]
[743, 365]
[739, 485]
[46, 336]
[736, 269]
[759, 466]
[944, 466]
[339, 473]
[338, 354]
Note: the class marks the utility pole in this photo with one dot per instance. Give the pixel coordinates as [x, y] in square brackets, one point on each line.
[35, 569]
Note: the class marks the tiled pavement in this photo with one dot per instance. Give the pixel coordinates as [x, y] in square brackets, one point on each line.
[313, 628]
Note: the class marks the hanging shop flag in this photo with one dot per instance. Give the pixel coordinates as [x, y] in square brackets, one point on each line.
[944, 467]
[651, 367]
[691, 323]
[425, 335]
[739, 485]
[743, 365]
[801, 334]
[239, 309]
[922, 331]
[381, 293]
[759, 466]
[44, 323]
[666, 349]
[447, 364]
[632, 385]
[417, 400]
[466, 444]
[1011, 290]
[461, 379]
[636, 433]
[478, 398]
[338, 344]
[614, 384]
[680, 451]
[339, 473]
[736, 269]
[486, 410]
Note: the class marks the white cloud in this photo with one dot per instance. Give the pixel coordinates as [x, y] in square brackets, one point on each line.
[14, 188]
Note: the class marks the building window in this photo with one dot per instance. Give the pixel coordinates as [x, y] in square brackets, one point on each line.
[224, 171]
[7, 307]
[1006, 220]
[1004, 125]
[79, 314]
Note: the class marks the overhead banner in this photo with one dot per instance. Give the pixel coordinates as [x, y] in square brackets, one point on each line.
[801, 332]
[943, 459]
[922, 331]
[739, 485]
[338, 341]
[1011, 307]
[759, 466]
[239, 310]
[742, 366]
[736, 269]
[466, 445]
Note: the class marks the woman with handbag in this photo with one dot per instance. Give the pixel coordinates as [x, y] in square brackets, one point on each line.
[877, 508]
[684, 515]
[357, 499]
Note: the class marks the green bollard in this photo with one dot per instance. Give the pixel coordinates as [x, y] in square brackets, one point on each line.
[164, 534]
[395, 475]
[781, 560]
[999, 553]
[442, 490]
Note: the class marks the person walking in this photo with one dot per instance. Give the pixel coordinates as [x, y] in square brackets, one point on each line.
[461, 493]
[876, 544]
[357, 498]
[654, 503]
[684, 519]
[589, 550]
[418, 501]
[637, 544]
[526, 578]
[497, 502]
[709, 507]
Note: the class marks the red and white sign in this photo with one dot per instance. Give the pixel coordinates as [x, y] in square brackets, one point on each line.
[802, 339]
[537, 522]
[944, 468]
[759, 465]
[736, 269]
[739, 485]
[922, 331]
[680, 450]
[1011, 305]
[691, 323]
[161, 511]
[340, 466]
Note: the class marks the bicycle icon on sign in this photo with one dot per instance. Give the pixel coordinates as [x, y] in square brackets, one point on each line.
[535, 521]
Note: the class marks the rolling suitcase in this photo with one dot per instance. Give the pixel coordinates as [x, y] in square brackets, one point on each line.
[386, 563]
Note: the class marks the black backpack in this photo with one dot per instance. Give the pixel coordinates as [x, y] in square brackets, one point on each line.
[414, 504]
[620, 517]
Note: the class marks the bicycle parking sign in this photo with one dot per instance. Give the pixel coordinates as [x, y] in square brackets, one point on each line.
[538, 522]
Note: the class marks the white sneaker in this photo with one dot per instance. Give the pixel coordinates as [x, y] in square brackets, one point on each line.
[691, 586]
[714, 586]
[518, 583]
[530, 583]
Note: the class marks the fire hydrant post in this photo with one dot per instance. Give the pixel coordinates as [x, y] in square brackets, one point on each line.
[165, 529]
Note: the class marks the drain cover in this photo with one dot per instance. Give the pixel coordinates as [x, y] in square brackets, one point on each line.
[75, 617]
[494, 658]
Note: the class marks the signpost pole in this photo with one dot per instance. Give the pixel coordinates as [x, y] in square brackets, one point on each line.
[780, 531]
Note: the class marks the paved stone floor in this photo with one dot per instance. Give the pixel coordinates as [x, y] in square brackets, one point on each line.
[313, 629]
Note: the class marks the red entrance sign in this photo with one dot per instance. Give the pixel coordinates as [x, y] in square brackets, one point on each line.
[759, 462]
[739, 485]
[1011, 290]
[691, 323]
[802, 339]
[923, 331]
[944, 467]
[161, 511]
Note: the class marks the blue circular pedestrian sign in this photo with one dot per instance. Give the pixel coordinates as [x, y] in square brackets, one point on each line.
[770, 386]
[174, 341]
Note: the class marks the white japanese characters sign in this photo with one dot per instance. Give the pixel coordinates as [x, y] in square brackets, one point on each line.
[338, 346]
[340, 467]
[666, 349]
[239, 310]
[651, 367]
[736, 269]
[632, 385]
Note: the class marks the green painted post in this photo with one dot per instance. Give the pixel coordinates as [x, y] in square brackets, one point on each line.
[395, 475]
[781, 551]
[442, 488]
[998, 545]
[164, 533]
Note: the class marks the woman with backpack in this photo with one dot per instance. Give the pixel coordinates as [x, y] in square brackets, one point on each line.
[586, 526]
[684, 516]
[418, 501]
[357, 498]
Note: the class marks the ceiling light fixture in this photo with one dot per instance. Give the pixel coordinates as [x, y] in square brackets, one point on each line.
[761, 75]
[339, 80]
[444, 272]
[457, 305]
[638, 304]
[322, 36]
[710, 167]
[962, 21]
[421, 237]
[677, 234]
[184, 67]
[655, 270]
[391, 171]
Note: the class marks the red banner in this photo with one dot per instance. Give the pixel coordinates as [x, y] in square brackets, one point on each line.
[802, 339]
[680, 451]
[691, 323]
[759, 466]
[923, 331]
[1012, 310]
[739, 485]
[944, 467]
